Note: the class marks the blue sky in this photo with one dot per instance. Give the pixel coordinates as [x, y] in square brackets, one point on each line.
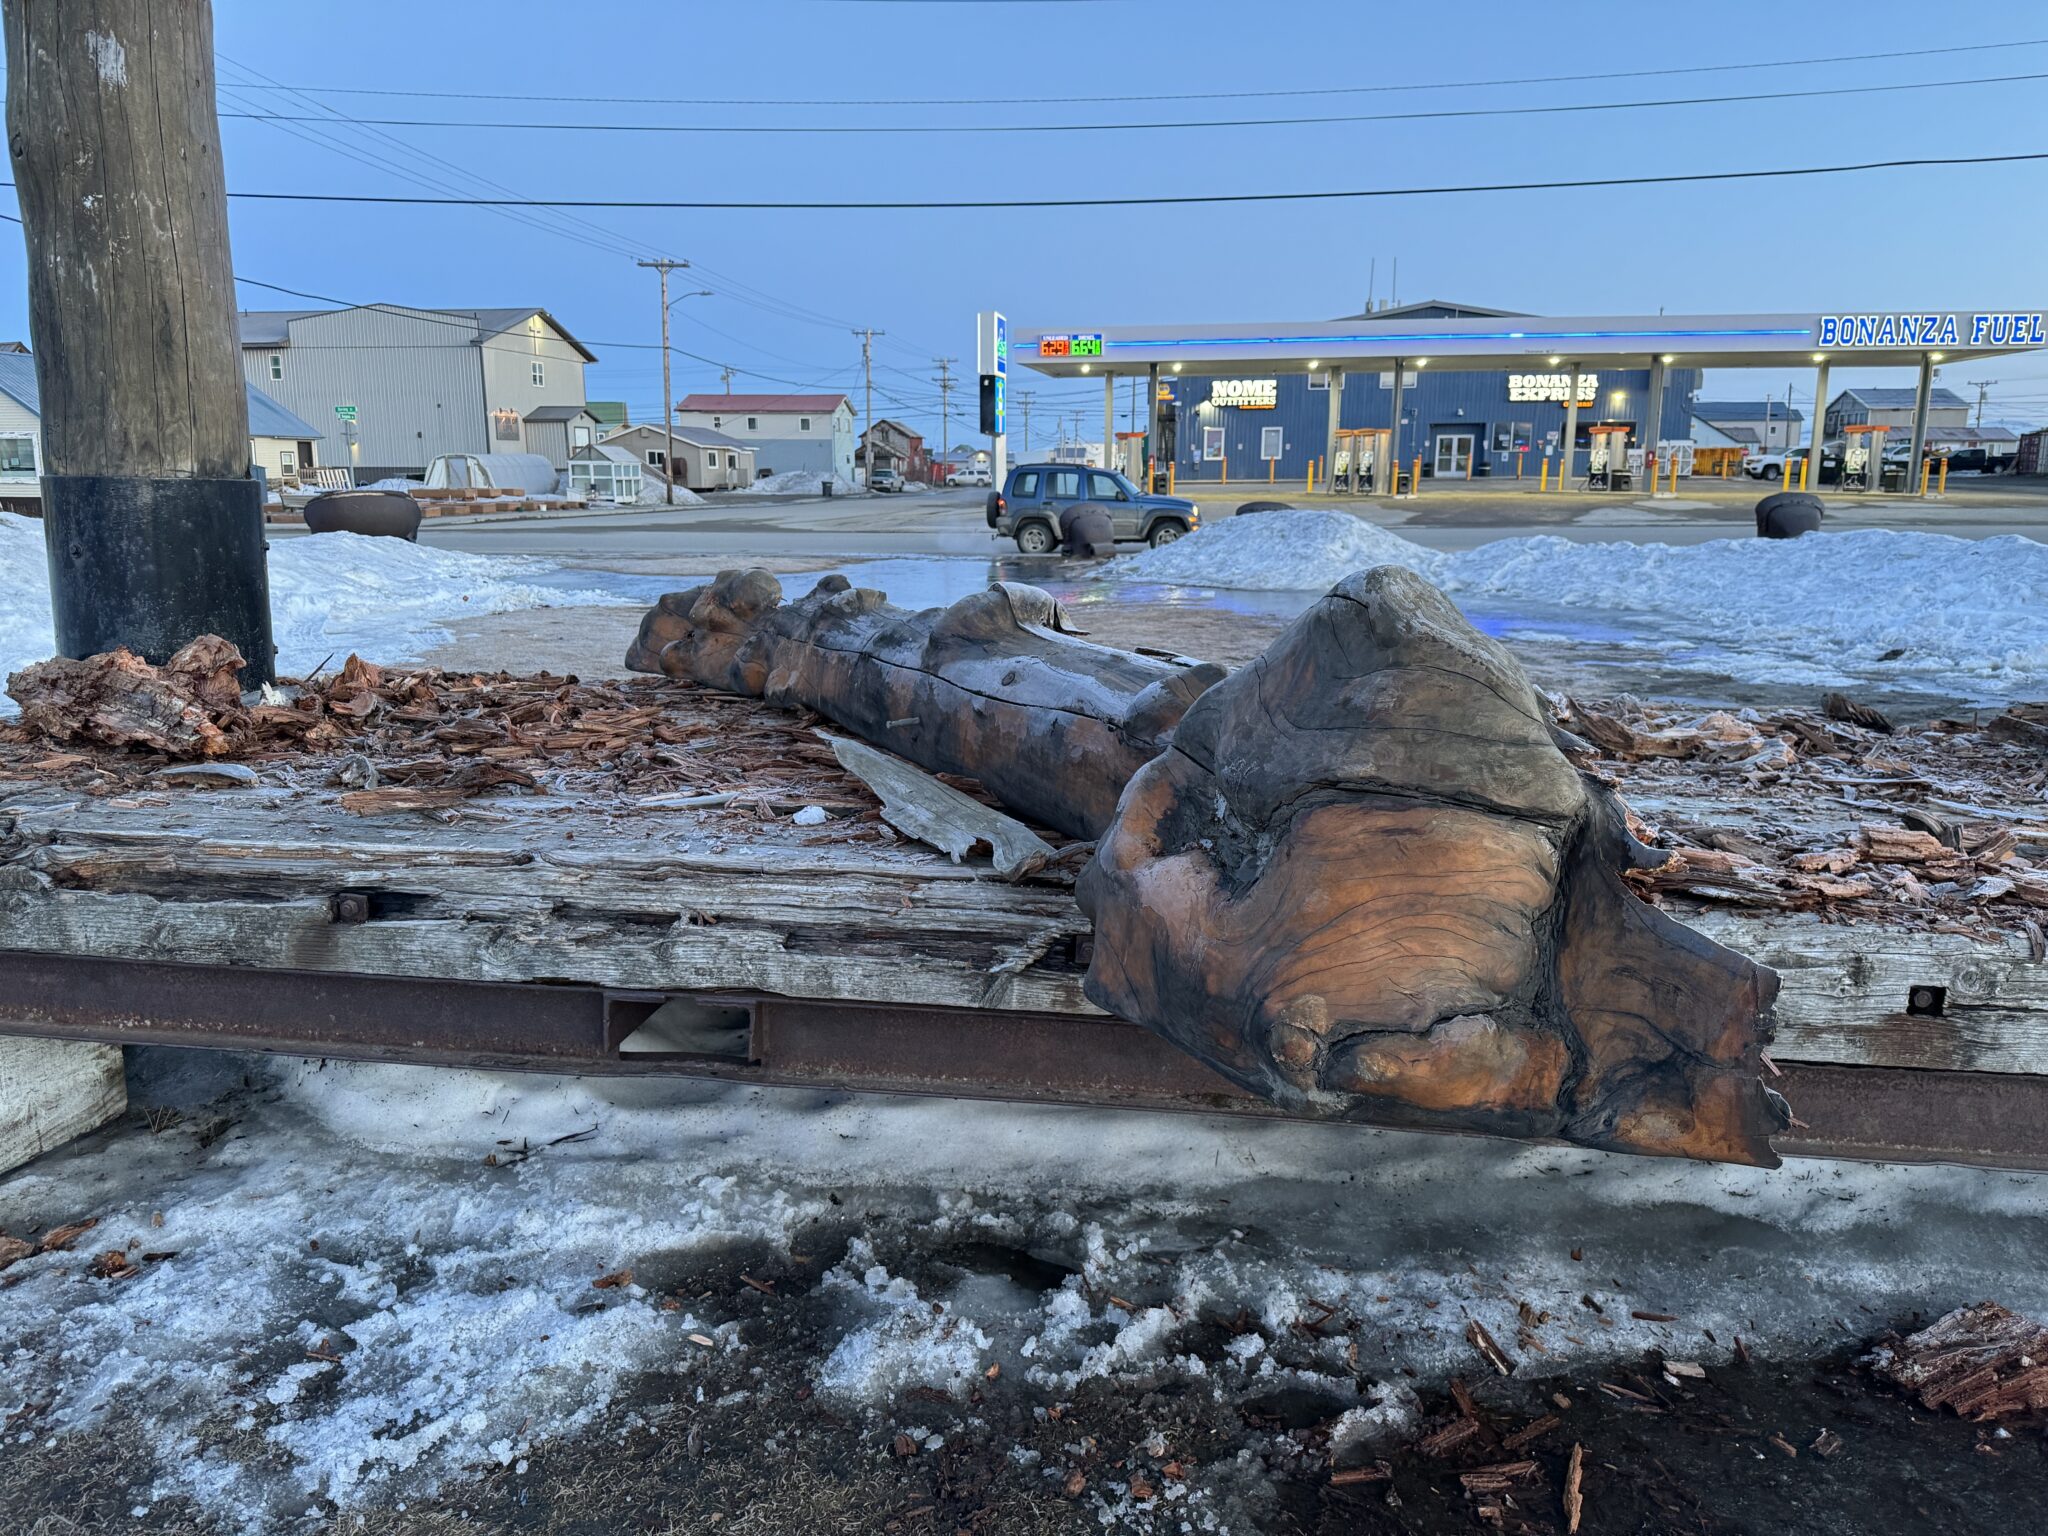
[789, 285]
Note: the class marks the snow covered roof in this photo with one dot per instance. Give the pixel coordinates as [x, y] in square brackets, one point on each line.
[266, 417]
[558, 413]
[696, 437]
[762, 405]
[1719, 411]
[1900, 399]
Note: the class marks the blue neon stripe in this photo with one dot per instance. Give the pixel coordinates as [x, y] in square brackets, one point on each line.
[1384, 336]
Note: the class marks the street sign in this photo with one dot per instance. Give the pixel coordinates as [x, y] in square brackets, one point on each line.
[345, 412]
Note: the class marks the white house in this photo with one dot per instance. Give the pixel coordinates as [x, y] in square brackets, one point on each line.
[280, 444]
[705, 460]
[813, 432]
[392, 388]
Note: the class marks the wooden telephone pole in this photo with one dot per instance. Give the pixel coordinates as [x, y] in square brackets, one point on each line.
[867, 337]
[153, 522]
[664, 266]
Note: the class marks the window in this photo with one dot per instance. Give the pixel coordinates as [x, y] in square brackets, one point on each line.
[579, 436]
[732, 461]
[17, 455]
[1271, 442]
[1065, 486]
[287, 464]
[1026, 487]
[1212, 443]
[657, 458]
[540, 371]
[1319, 380]
[506, 425]
[1104, 488]
[753, 423]
[803, 423]
[277, 365]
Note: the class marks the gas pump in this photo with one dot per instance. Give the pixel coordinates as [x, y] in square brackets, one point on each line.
[1862, 456]
[1607, 462]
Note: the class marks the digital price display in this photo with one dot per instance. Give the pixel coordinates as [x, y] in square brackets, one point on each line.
[1070, 346]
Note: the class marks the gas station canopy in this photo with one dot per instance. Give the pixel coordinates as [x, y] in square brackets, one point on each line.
[1900, 339]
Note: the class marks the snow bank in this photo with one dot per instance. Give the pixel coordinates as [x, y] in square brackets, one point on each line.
[330, 594]
[1816, 611]
[1972, 608]
[801, 482]
[652, 494]
[1275, 552]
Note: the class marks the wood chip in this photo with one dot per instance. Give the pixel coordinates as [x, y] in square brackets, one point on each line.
[1481, 1340]
[613, 1281]
[1351, 1477]
[1574, 1489]
[1497, 1478]
[1530, 1433]
[1654, 1317]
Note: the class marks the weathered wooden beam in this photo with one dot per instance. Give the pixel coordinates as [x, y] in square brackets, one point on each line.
[54, 1091]
[155, 526]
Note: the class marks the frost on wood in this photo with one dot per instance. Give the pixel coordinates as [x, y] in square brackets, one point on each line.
[1364, 880]
[118, 700]
[996, 686]
[1359, 878]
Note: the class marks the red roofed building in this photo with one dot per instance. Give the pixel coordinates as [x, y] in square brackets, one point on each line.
[786, 432]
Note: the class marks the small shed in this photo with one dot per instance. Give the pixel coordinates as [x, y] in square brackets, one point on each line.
[605, 472]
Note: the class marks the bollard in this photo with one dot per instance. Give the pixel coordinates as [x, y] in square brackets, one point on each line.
[1225, 462]
[1272, 468]
[1804, 465]
[1942, 490]
[1674, 474]
[1519, 456]
[1415, 477]
[1311, 477]
[1169, 479]
[1926, 470]
[1543, 480]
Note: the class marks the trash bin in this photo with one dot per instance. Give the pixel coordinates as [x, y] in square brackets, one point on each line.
[826, 487]
[1894, 477]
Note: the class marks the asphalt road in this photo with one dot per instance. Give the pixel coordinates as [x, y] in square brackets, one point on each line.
[952, 523]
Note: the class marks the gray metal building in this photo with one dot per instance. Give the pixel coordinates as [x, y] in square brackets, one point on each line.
[391, 387]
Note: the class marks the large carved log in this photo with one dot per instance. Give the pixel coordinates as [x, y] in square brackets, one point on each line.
[1359, 876]
[1364, 878]
[996, 686]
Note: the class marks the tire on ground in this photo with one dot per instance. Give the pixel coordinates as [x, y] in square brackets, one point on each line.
[1266, 506]
[1788, 514]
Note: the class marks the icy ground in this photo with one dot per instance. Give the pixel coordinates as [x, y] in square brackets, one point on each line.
[362, 1291]
[1821, 611]
[330, 594]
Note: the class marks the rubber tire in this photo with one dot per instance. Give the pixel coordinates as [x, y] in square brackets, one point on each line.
[1035, 530]
[1774, 472]
[1169, 531]
[992, 506]
[1788, 514]
[1266, 506]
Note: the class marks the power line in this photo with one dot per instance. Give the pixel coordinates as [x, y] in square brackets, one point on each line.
[1183, 200]
[1266, 95]
[1173, 125]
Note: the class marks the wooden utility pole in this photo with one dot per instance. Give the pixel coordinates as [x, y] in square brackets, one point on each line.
[867, 363]
[153, 522]
[664, 266]
[945, 403]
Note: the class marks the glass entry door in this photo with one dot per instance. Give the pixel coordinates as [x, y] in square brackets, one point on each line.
[1453, 455]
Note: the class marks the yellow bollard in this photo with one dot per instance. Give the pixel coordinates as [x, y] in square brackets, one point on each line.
[1926, 470]
[1311, 477]
[1225, 462]
[1272, 468]
[1169, 479]
[1674, 474]
[1543, 479]
[1943, 490]
[1415, 477]
[1804, 464]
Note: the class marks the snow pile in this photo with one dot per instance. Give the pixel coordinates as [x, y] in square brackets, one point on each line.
[1975, 608]
[394, 483]
[654, 494]
[330, 594]
[1275, 552]
[801, 482]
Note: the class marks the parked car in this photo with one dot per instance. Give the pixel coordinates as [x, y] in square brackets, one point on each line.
[974, 477]
[1785, 466]
[1033, 496]
[887, 480]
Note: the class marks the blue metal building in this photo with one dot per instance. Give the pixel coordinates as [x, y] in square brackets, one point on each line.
[1461, 424]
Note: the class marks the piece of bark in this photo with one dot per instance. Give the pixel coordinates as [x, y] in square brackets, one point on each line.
[994, 687]
[1839, 706]
[1363, 881]
[919, 806]
[396, 798]
[1985, 1362]
[1574, 1490]
[117, 699]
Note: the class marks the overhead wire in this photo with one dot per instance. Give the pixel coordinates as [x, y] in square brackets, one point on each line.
[1178, 125]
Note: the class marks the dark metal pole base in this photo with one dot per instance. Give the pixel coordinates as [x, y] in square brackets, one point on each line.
[153, 564]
